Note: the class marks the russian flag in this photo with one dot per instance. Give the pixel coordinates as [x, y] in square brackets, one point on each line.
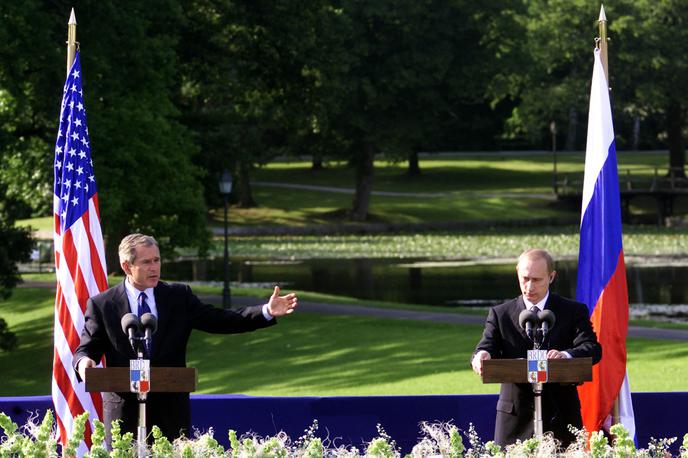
[601, 269]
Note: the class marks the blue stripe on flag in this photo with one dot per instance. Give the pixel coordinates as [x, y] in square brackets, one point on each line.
[600, 235]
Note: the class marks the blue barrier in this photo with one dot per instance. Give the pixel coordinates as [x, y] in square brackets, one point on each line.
[353, 420]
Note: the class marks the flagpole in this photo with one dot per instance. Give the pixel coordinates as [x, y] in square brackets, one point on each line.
[604, 53]
[71, 40]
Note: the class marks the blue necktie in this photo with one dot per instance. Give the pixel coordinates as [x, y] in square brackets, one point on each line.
[143, 308]
[143, 305]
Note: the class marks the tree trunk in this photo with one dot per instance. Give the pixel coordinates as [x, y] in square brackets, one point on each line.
[413, 165]
[364, 182]
[636, 133]
[677, 146]
[317, 163]
[572, 134]
[244, 194]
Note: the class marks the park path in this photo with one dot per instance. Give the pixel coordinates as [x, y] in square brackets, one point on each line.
[465, 194]
[397, 314]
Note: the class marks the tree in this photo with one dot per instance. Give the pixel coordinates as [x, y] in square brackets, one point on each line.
[250, 70]
[141, 153]
[541, 53]
[405, 69]
[651, 51]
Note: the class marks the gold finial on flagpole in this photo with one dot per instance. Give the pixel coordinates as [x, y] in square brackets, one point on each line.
[602, 42]
[71, 40]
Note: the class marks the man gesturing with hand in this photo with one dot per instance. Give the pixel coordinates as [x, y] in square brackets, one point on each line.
[178, 312]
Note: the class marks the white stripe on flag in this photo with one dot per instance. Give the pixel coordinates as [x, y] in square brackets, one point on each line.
[599, 139]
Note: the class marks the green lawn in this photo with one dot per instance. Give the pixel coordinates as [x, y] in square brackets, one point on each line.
[313, 354]
[466, 188]
[477, 187]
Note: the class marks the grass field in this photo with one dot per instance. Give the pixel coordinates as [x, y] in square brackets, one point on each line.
[314, 354]
[489, 186]
[464, 188]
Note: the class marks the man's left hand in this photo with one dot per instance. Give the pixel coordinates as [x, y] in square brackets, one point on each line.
[281, 305]
[556, 354]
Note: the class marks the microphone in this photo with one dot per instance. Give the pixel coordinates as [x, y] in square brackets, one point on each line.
[131, 326]
[526, 319]
[150, 325]
[547, 318]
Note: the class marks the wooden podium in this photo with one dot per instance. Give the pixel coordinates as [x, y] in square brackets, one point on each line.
[573, 370]
[162, 379]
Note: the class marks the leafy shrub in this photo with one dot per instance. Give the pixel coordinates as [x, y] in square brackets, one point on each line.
[437, 440]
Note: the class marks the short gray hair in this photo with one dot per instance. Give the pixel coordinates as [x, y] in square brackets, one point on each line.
[128, 245]
[537, 253]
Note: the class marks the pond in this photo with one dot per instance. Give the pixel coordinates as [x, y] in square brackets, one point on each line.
[459, 284]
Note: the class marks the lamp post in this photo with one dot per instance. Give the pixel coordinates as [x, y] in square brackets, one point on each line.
[226, 190]
[553, 131]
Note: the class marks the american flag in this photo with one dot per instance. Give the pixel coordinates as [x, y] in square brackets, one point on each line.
[79, 255]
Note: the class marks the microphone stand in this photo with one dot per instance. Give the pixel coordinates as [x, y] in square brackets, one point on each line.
[537, 392]
[141, 431]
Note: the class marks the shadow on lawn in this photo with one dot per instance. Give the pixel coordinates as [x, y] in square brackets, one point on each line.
[310, 352]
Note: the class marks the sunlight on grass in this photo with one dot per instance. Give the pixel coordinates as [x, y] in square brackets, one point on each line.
[313, 354]
[43, 224]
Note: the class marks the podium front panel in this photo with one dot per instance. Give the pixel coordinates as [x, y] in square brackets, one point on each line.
[574, 370]
[162, 379]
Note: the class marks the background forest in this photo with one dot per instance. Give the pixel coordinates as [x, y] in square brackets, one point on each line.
[179, 90]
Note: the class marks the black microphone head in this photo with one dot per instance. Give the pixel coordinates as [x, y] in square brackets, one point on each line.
[527, 317]
[547, 316]
[149, 322]
[130, 321]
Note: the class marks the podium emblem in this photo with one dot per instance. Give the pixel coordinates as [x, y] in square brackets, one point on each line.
[139, 375]
[537, 366]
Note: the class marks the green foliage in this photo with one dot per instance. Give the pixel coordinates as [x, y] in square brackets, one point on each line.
[44, 444]
[78, 431]
[11, 445]
[437, 439]
[598, 444]
[141, 152]
[684, 446]
[98, 447]
[15, 247]
[8, 340]
[162, 448]
[622, 444]
[123, 445]
[382, 446]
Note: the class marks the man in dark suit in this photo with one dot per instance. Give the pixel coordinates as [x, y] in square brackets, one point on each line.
[571, 336]
[178, 311]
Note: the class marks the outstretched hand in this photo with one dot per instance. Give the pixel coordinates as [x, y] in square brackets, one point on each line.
[281, 305]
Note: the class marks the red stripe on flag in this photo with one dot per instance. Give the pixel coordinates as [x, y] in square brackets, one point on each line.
[61, 428]
[73, 401]
[65, 320]
[610, 321]
[72, 255]
[96, 205]
[96, 265]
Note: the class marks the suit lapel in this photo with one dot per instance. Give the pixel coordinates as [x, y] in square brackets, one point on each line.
[516, 310]
[121, 306]
[553, 306]
[162, 301]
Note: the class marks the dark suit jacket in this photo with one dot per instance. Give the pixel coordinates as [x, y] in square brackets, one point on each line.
[504, 338]
[179, 311]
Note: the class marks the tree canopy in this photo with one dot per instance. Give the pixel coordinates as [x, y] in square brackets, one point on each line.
[178, 90]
